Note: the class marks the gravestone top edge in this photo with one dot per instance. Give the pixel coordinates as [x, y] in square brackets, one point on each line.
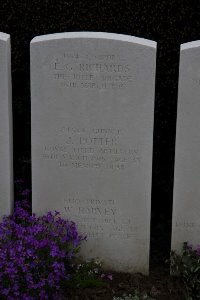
[190, 45]
[6, 136]
[4, 36]
[97, 35]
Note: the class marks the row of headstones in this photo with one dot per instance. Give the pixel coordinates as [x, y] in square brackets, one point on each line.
[92, 98]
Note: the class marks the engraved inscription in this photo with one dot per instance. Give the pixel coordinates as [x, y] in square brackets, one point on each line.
[99, 218]
[88, 71]
[188, 225]
[96, 148]
[196, 80]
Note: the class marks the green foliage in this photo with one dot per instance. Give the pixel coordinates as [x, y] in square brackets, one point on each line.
[87, 274]
[186, 266]
[137, 296]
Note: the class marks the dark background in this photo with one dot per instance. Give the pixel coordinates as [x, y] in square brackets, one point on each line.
[169, 23]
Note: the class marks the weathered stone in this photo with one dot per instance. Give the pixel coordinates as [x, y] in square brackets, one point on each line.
[186, 206]
[92, 134]
[6, 161]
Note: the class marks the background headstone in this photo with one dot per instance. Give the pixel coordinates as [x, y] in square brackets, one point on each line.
[6, 161]
[186, 206]
[92, 133]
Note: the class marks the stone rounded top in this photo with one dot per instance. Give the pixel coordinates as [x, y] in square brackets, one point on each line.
[4, 36]
[190, 45]
[95, 35]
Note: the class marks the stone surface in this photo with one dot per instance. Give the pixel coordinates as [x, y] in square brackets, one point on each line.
[186, 206]
[6, 165]
[92, 134]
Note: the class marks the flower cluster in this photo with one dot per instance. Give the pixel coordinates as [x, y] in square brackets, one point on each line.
[186, 266]
[88, 273]
[35, 254]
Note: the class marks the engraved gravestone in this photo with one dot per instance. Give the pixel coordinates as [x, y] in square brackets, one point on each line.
[6, 190]
[186, 206]
[92, 132]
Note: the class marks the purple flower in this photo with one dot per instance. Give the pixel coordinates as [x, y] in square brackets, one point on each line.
[54, 251]
[198, 250]
[34, 253]
[25, 192]
[189, 246]
[5, 292]
[109, 276]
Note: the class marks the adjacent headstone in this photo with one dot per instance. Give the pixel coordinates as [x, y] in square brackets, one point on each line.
[92, 133]
[6, 165]
[186, 206]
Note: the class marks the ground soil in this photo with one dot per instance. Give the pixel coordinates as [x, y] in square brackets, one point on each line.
[158, 285]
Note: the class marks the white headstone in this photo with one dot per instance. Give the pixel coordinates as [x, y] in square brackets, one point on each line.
[6, 165]
[186, 206]
[92, 133]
